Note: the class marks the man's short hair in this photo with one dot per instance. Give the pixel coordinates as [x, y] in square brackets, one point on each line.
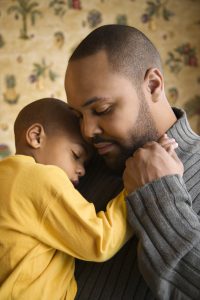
[128, 50]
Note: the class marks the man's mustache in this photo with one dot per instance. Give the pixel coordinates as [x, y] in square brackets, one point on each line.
[99, 139]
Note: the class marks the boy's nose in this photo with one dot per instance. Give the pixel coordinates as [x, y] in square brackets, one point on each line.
[80, 170]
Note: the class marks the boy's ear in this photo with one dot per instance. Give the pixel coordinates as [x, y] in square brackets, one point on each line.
[35, 135]
[154, 83]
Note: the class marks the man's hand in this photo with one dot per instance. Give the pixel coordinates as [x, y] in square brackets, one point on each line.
[151, 162]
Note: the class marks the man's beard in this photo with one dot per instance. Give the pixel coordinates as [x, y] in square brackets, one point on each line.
[144, 131]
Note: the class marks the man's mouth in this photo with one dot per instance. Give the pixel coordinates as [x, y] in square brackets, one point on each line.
[104, 148]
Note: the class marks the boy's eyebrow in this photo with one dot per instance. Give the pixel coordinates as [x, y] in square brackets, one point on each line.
[82, 146]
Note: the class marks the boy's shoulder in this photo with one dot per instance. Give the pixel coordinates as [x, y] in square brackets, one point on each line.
[27, 168]
[32, 186]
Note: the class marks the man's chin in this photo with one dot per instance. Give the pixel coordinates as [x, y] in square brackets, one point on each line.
[116, 158]
[115, 164]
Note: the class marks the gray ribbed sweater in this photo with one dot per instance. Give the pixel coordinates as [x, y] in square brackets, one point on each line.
[163, 259]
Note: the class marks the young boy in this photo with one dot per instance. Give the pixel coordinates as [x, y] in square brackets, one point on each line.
[44, 221]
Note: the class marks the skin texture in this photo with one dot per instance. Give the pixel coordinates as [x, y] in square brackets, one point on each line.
[48, 130]
[116, 117]
[149, 158]
[94, 77]
[61, 149]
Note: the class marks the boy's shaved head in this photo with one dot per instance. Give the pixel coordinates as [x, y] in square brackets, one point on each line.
[53, 114]
[128, 50]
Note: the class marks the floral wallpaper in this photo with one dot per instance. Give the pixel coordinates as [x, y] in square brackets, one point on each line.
[37, 38]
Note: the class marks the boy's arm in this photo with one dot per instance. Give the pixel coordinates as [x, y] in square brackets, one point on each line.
[71, 224]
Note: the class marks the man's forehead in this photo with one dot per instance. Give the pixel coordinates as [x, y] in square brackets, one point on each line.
[83, 68]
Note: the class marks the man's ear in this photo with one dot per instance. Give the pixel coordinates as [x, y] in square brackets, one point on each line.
[154, 83]
[35, 135]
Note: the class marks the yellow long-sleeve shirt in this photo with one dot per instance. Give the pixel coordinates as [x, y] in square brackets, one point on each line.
[44, 224]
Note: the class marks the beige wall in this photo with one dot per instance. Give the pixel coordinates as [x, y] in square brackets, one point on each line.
[33, 57]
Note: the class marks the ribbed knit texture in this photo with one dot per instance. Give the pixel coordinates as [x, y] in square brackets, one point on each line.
[166, 248]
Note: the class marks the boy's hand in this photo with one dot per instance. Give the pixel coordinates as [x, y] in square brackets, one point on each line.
[151, 162]
[169, 144]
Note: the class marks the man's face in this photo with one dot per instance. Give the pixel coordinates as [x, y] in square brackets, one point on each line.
[114, 117]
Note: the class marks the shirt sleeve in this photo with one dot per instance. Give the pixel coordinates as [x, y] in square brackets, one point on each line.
[168, 230]
[71, 224]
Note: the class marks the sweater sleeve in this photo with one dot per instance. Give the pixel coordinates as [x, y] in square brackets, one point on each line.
[168, 230]
[71, 224]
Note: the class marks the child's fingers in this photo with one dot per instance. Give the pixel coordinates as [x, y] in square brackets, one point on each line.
[167, 142]
[170, 148]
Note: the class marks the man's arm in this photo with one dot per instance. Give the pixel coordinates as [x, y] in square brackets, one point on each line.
[161, 213]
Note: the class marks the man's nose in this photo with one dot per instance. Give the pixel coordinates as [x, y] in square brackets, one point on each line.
[90, 127]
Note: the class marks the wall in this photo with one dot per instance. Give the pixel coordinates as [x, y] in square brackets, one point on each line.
[37, 38]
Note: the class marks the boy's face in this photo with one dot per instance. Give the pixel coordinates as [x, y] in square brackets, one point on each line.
[65, 152]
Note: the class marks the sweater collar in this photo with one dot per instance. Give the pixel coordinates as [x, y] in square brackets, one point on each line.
[183, 133]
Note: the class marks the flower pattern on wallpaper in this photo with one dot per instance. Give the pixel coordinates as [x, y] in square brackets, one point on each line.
[173, 95]
[183, 55]
[94, 18]
[42, 71]
[59, 38]
[10, 95]
[156, 9]
[121, 19]
[4, 151]
[25, 10]
[193, 109]
[60, 7]
[37, 38]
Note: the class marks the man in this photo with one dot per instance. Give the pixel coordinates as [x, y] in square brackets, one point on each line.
[114, 83]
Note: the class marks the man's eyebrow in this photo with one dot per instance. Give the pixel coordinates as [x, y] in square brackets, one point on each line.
[92, 100]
